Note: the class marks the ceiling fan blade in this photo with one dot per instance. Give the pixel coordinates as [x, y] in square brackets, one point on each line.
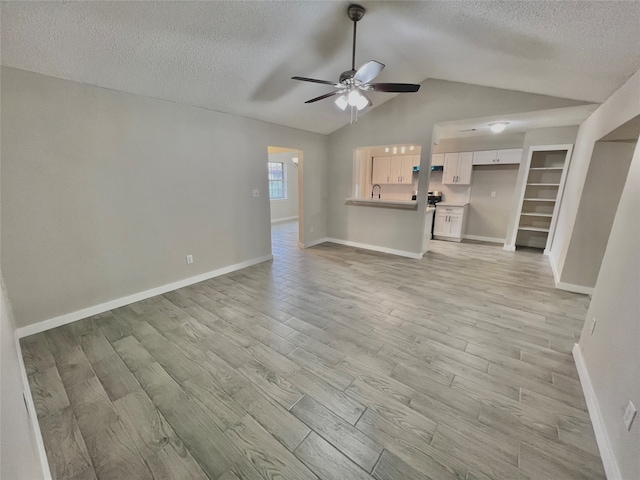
[322, 97]
[324, 82]
[394, 87]
[368, 71]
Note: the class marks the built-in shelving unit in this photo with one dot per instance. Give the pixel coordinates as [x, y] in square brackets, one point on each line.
[540, 196]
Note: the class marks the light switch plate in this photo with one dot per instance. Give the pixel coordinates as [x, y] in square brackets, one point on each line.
[189, 259]
[629, 415]
[493, 194]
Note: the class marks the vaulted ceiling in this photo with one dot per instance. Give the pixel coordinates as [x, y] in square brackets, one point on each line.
[238, 57]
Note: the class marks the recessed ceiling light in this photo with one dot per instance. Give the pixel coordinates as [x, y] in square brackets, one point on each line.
[498, 127]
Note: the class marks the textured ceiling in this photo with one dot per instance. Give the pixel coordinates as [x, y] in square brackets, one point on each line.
[238, 57]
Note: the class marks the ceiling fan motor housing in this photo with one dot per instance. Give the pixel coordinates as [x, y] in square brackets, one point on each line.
[346, 77]
[355, 12]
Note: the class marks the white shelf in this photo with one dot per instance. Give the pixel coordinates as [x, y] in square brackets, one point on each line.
[537, 214]
[540, 200]
[546, 168]
[534, 229]
[544, 184]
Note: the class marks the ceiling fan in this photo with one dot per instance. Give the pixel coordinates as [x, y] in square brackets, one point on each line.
[353, 83]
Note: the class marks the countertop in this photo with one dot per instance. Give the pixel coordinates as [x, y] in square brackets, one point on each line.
[451, 204]
[376, 202]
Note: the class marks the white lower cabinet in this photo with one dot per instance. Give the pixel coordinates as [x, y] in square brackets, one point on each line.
[449, 223]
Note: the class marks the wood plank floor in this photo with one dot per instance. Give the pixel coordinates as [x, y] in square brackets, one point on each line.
[332, 363]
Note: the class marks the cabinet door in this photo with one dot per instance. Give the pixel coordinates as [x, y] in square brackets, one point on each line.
[511, 155]
[395, 169]
[437, 159]
[450, 171]
[455, 226]
[380, 172]
[406, 171]
[485, 157]
[465, 167]
[440, 224]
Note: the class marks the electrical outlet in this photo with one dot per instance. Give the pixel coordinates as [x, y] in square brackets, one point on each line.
[256, 193]
[189, 259]
[493, 194]
[629, 415]
[593, 325]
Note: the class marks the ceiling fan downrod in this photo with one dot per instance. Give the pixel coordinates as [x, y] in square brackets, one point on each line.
[355, 13]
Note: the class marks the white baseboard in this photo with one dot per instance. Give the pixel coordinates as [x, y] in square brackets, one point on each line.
[284, 219]
[376, 248]
[554, 267]
[509, 248]
[484, 239]
[136, 297]
[569, 287]
[604, 445]
[33, 415]
[313, 243]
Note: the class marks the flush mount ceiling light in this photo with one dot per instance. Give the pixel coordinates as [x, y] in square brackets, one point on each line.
[353, 83]
[498, 126]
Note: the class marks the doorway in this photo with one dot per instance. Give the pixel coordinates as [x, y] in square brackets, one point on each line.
[606, 177]
[284, 170]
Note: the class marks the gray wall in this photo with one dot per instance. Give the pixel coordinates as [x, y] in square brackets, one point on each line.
[535, 137]
[489, 216]
[286, 208]
[603, 186]
[621, 107]
[104, 193]
[409, 119]
[20, 458]
[611, 354]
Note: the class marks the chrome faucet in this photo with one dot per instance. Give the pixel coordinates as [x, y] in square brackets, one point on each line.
[374, 187]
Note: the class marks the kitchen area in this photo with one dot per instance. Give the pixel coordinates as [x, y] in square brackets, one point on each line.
[492, 180]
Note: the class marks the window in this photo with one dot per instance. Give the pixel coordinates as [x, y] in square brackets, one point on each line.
[277, 184]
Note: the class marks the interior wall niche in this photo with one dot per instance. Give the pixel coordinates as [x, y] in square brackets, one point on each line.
[607, 174]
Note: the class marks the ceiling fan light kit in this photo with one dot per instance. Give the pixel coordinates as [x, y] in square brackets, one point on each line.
[353, 83]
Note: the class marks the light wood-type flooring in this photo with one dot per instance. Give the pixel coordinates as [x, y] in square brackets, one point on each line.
[332, 363]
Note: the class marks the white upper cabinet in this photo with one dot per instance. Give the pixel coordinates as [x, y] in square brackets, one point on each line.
[437, 159]
[457, 168]
[494, 157]
[450, 170]
[511, 155]
[395, 170]
[380, 172]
